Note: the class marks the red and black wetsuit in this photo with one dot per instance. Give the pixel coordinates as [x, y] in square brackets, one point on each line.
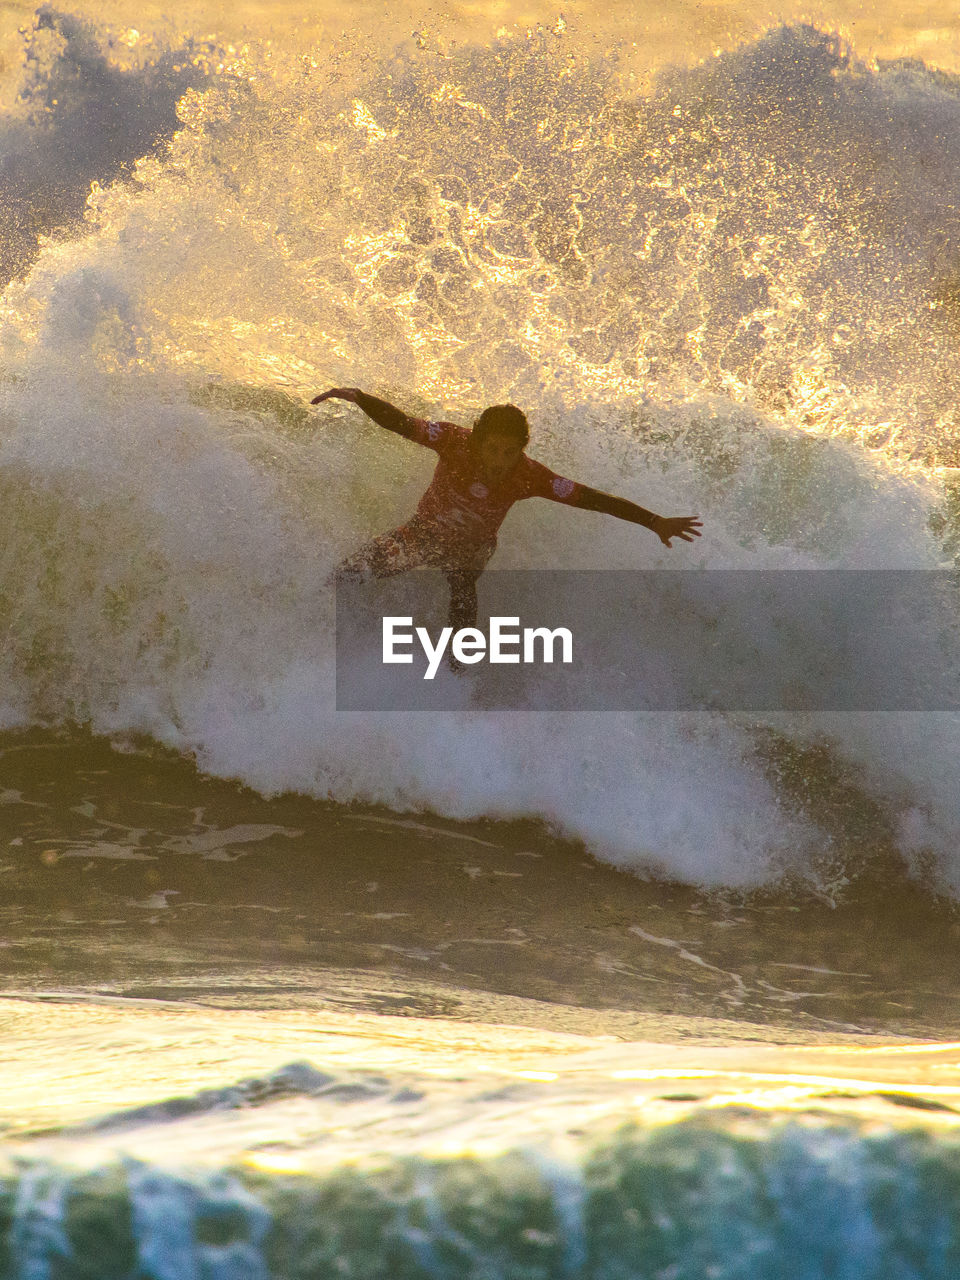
[465, 509]
[456, 522]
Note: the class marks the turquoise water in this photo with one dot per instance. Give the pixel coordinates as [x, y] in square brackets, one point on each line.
[691, 1201]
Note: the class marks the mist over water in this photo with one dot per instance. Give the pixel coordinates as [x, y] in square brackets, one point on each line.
[80, 117]
[735, 296]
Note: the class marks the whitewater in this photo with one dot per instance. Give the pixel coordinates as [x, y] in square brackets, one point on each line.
[699, 300]
[300, 991]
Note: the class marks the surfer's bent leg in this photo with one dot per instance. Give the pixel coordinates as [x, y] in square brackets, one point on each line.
[463, 598]
[382, 557]
[462, 581]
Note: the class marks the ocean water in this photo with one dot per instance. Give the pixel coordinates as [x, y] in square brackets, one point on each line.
[296, 992]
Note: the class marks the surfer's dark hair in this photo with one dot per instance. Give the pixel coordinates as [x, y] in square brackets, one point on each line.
[502, 420]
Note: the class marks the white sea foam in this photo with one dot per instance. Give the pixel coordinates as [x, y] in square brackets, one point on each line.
[686, 323]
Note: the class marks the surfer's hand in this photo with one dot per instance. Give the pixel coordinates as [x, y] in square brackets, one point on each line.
[337, 393]
[685, 527]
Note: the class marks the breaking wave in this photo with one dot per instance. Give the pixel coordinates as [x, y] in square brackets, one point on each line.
[736, 296]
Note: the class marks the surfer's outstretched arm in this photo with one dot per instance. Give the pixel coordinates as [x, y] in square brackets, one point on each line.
[665, 527]
[382, 412]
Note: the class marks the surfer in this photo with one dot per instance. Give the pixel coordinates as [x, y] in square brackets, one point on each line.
[479, 476]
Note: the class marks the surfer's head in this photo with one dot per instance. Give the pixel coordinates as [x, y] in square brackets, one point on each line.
[500, 436]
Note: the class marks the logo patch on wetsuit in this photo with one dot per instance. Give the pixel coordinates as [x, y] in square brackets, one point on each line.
[479, 490]
[562, 487]
[434, 430]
